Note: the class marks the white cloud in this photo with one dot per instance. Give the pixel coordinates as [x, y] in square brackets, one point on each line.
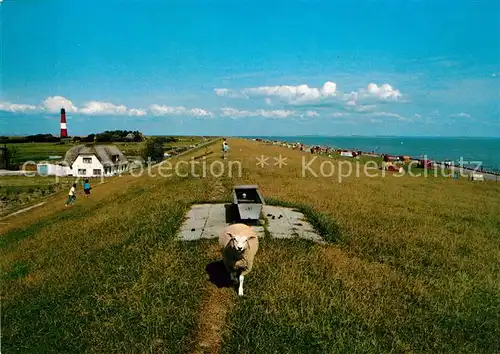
[312, 114]
[329, 89]
[158, 110]
[291, 94]
[384, 92]
[374, 92]
[360, 108]
[353, 105]
[103, 108]
[198, 112]
[460, 115]
[222, 91]
[277, 113]
[137, 112]
[288, 93]
[303, 94]
[93, 108]
[235, 113]
[55, 103]
[17, 108]
[90, 108]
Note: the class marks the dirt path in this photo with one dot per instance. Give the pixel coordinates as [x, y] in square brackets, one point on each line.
[216, 190]
[216, 304]
[22, 210]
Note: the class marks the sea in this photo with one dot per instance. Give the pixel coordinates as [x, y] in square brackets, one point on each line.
[470, 150]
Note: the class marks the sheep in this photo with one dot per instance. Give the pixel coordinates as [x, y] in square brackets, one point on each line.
[239, 243]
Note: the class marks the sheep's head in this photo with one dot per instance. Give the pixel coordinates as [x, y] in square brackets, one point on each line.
[240, 242]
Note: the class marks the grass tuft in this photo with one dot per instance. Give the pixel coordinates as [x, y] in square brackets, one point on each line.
[20, 269]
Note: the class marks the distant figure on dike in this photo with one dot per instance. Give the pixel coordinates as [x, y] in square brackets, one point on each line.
[87, 188]
[225, 148]
[71, 195]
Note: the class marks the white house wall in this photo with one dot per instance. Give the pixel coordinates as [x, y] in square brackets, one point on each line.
[95, 164]
[54, 170]
[62, 171]
[89, 168]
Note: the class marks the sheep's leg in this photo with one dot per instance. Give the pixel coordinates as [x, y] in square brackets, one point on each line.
[240, 289]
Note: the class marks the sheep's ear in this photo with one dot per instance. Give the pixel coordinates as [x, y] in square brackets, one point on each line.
[230, 234]
[251, 237]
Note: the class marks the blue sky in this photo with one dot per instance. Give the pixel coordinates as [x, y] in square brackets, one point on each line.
[251, 67]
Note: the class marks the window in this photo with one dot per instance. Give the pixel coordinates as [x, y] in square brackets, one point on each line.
[87, 160]
[97, 172]
[82, 171]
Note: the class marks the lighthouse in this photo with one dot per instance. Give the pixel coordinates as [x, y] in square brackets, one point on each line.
[64, 128]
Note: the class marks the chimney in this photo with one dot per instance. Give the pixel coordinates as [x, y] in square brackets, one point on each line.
[64, 129]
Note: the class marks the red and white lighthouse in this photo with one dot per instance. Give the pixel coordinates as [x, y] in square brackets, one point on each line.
[64, 128]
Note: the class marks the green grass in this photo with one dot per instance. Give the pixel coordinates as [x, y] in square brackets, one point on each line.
[19, 191]
[110, 296]
[19, 270]
[411, 265]
[32, 180]
[42, 151]
[39, 151]
[293, 308]
[305, 298]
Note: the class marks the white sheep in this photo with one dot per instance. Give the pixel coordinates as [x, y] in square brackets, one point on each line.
[239, 244]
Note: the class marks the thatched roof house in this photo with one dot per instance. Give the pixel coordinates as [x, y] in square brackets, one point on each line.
[95, 160]
[130, 137]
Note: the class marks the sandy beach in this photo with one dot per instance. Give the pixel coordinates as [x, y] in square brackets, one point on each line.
[463, 171]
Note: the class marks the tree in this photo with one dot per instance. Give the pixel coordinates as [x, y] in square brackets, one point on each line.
[89, 138]
[153, 149]
[138, 136]
[42, 138]
[13, 156]
[118, 136]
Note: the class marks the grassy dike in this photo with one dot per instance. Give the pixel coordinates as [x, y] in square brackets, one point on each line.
[412, 265]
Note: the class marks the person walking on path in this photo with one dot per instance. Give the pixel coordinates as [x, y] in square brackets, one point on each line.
[225, 148]
[71, 195]
[87, 188]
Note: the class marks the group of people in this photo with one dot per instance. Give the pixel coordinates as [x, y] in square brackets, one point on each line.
[72, 192]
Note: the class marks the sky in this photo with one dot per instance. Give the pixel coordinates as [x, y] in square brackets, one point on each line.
[235, 68]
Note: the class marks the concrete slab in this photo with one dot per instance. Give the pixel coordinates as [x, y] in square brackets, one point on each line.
[207, 221]
[289, 223]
